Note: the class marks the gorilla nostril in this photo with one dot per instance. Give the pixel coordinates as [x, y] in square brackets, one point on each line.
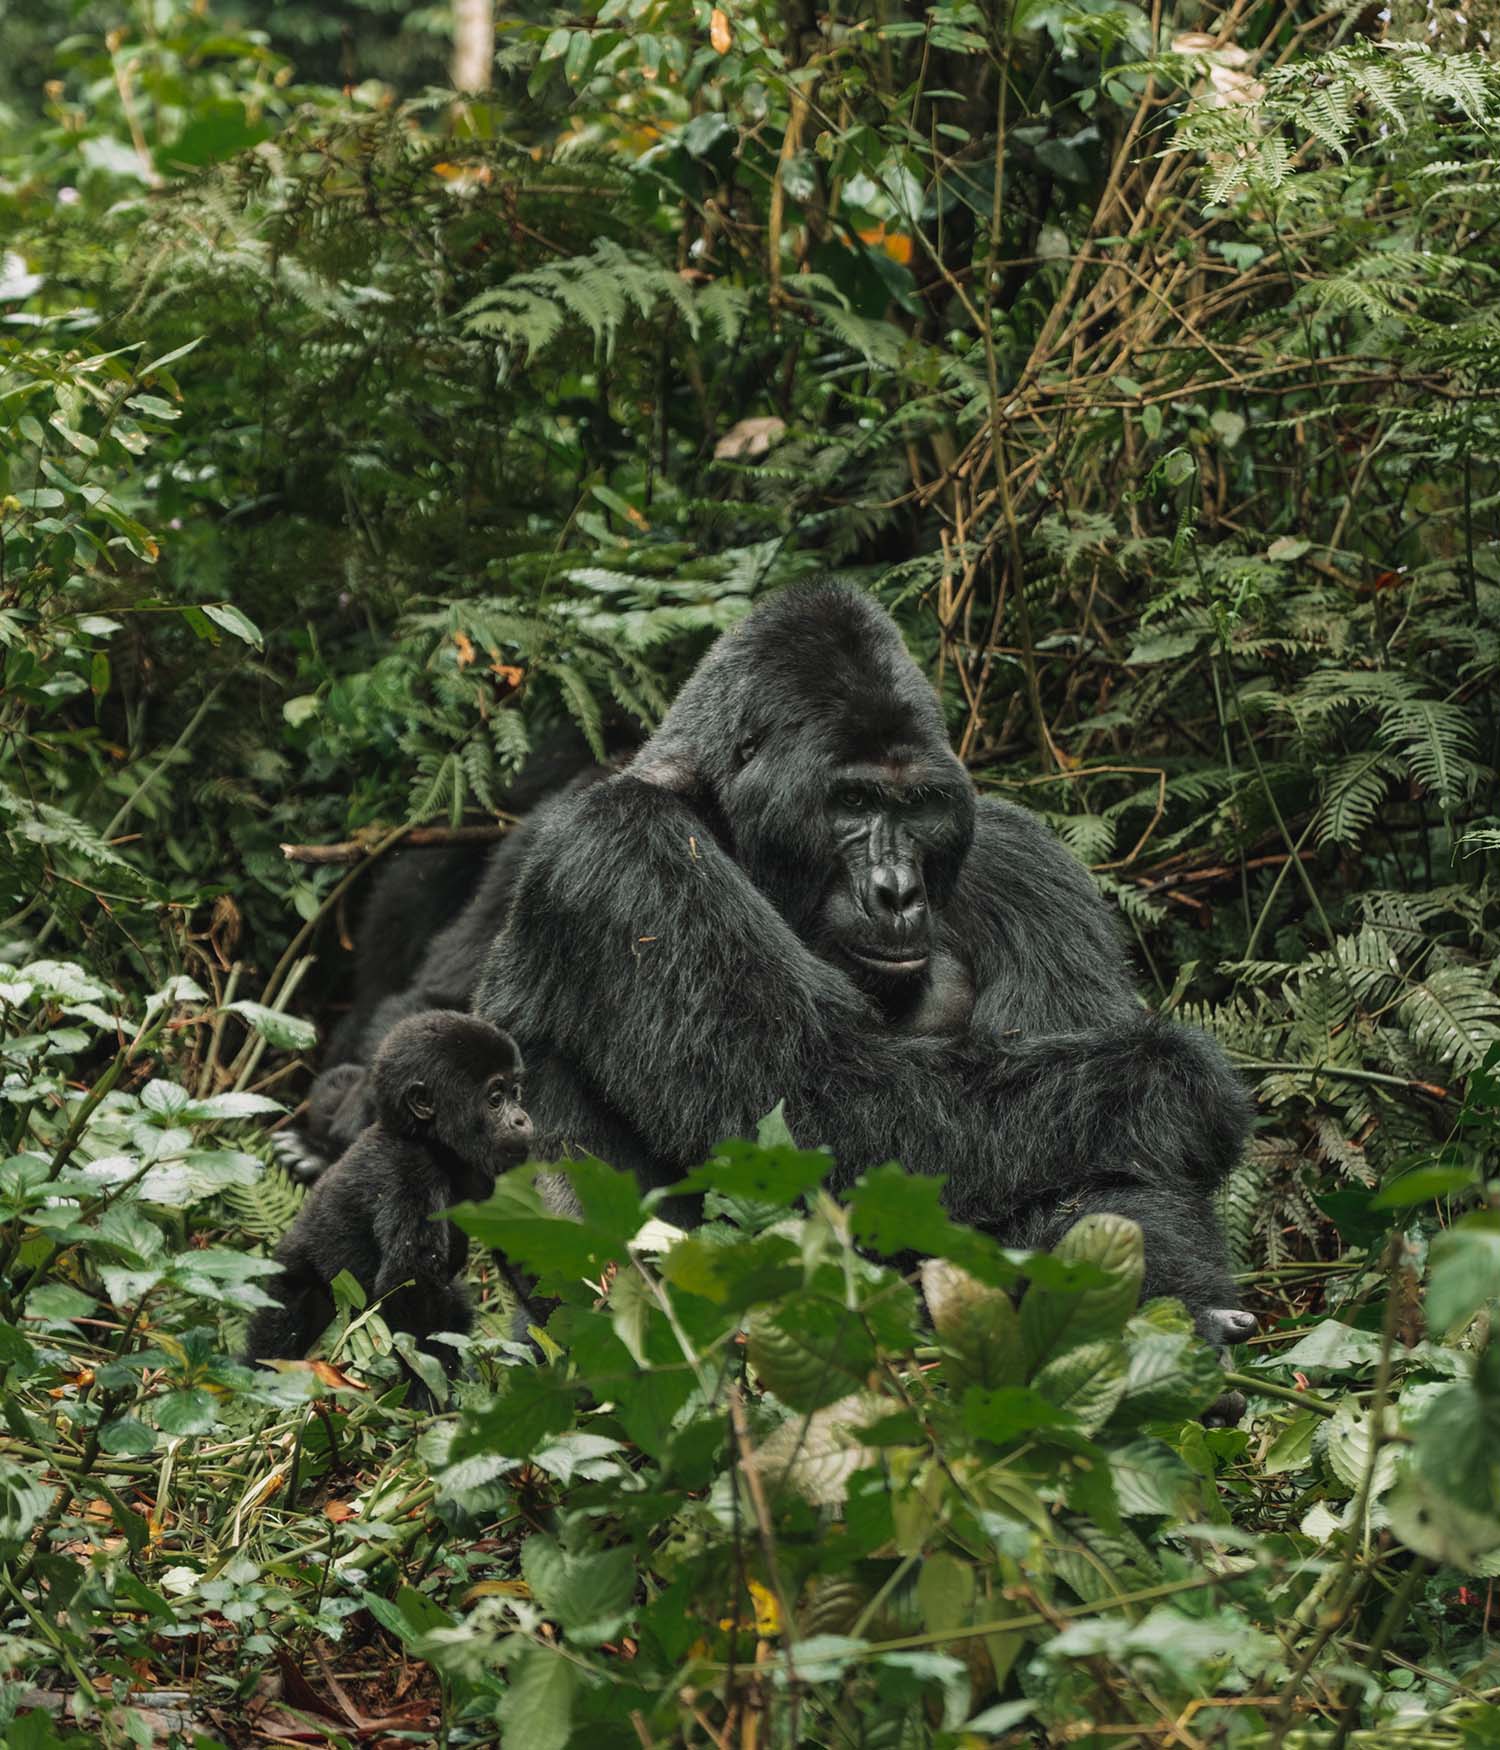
[896, 889]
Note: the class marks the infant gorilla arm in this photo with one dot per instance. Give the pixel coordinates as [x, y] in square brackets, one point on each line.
[448, 1119]
[793, 893]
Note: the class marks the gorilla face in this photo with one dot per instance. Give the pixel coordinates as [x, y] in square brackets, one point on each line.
[887, 823]
[816, 749]
[454, 1081]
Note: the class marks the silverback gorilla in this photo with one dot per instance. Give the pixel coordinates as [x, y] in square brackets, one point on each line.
[793, 893]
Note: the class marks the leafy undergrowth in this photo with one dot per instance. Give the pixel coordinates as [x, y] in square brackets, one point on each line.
[741, 1488]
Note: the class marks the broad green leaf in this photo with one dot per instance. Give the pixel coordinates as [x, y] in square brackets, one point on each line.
[894, 1212]
[776, 1175]
[588, 1592]
[1422, 1186]
[228, 616]
[127, 1437]
[23, 1501]
[1329, 1347]
[1086, 1380]
[1005, 1414]
[223, 1106]
[977, 1325]
[186, 1412]
[809, 1351]
[285, 1032]
[1465, 1273]
[165, 1099]
[1169, 1376]
[1055, 1319]
[536, 1710]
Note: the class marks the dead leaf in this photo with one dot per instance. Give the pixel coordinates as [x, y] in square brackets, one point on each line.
[335, 1378]
[719, 33]
[466, 651]
[339, 1511]
[749, 437]
[511, 676]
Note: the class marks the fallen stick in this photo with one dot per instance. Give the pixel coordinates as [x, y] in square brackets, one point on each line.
[420, 838]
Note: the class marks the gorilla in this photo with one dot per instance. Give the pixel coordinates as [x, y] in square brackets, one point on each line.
[448, 1119]
[793, 893]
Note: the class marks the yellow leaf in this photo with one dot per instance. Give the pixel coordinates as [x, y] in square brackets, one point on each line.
[767, 1610]
[719, 33]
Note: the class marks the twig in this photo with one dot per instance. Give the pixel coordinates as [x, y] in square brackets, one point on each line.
[424, 838]
[751, 1471]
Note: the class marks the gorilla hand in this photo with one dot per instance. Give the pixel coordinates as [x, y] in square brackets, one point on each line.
[1223, 1326]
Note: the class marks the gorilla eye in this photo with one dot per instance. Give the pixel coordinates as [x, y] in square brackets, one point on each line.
[496, 1094]
[746, 751]
[852, 799]
[515, 1095]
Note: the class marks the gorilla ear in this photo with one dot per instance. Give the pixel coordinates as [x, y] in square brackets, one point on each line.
[419, 1101]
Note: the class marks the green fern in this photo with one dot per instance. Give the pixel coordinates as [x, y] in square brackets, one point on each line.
[266, 1207]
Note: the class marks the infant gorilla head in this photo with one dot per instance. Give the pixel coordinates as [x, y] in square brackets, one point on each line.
[454, 1082]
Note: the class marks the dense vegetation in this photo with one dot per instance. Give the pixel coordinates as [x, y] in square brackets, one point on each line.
[1145, 362]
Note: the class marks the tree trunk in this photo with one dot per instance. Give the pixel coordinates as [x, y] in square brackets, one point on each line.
[473, 44]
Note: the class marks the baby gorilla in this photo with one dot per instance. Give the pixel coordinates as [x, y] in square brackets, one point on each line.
[448, 1119]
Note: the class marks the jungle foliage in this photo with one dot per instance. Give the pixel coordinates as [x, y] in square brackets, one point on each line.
[353, 437]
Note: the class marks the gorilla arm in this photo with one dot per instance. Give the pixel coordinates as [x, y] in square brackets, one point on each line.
[642, 953]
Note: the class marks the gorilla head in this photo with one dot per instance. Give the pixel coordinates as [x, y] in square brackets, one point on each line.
[812, 741]
[454, 1081]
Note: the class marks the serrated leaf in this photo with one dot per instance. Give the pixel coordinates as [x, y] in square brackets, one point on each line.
[817, 1454]
[589, 1593]
[165, 1099]
[537, 1708]
[977, 1325]
[1351, 1450]
[809, 1352]
[775, 1175]
[1054, 1319]
[1169, 1376]
[1086, 1380]
[894, 1212]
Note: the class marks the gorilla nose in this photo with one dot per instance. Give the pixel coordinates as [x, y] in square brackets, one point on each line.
[896, 889]
[520, 1123]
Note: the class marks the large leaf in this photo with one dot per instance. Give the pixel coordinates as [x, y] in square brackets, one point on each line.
[1054, 1319]
[977, 1325]
[588, 1592]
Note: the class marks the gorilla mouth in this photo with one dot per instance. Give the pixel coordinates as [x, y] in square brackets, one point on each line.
[905, 963]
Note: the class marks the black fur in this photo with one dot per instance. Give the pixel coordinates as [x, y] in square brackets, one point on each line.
[671, 969]
[439, 956]
[447, 1119]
